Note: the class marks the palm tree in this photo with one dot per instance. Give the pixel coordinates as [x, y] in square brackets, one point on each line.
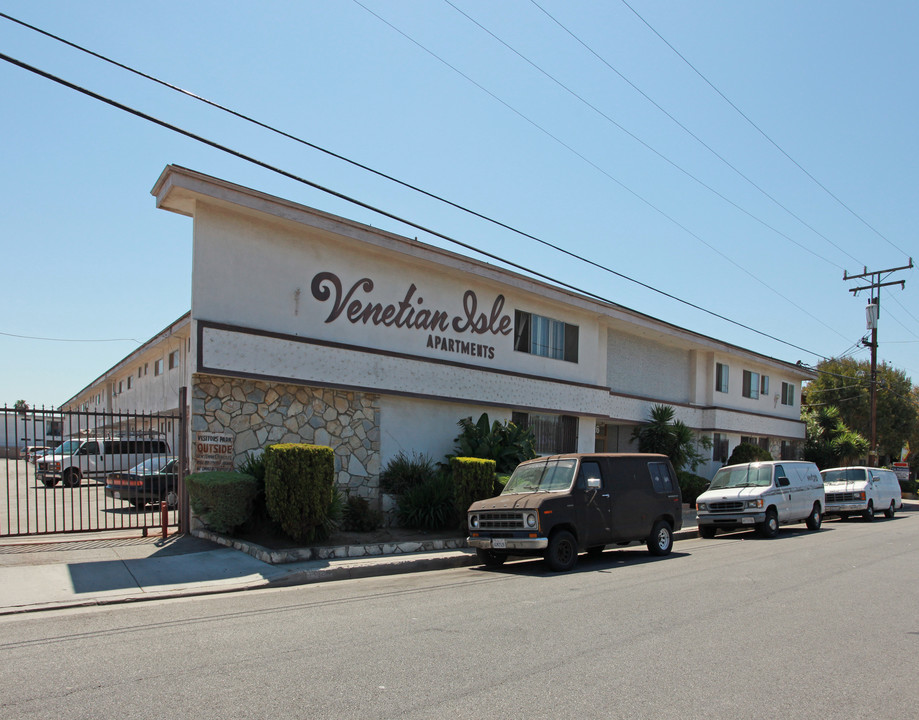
[829, 442]
[673, 438]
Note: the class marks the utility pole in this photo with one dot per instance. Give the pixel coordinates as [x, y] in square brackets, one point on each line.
[872, 313]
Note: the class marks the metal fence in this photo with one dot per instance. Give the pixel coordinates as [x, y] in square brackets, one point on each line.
[79, 471]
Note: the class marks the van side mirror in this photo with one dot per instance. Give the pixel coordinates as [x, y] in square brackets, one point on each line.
[782, 481]
[593, 483]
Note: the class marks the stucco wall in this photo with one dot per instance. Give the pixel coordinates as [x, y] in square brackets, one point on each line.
[259, 414]
[637, 365]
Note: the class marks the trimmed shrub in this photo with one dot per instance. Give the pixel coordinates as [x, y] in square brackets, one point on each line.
[428, 506]
[404, 472]
[223, 500]
[745, 452]
[300, 490]
[359, 516]
[691, 486]
[473, 479]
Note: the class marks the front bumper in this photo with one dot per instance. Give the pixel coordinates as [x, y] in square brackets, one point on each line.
[834, 508]
[730, 520]
[527, 544]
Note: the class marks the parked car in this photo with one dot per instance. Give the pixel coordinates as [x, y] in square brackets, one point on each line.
[558, 506]
[861, 491]
[33, 452]
[762, 495]
[153, 481]
[76, 458]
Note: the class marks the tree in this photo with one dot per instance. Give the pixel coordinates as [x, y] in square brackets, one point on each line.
[20, 406]
[506, 443]
[844, 383]
[673, 438]
[829, 442]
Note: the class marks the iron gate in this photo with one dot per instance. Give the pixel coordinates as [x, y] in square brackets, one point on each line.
[76, 471]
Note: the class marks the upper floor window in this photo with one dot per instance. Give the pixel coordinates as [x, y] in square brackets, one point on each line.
[750, 384]
[545, 337]
[721, 377]
[158, 367]
[764, 386]
[788, 394]
[173, 359]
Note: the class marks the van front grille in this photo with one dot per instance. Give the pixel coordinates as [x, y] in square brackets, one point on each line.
[841, 497]
[500, 520]
[726, 507]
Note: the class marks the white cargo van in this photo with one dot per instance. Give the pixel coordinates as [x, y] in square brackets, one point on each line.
[75, 459]
[861, 491]
[762, 495]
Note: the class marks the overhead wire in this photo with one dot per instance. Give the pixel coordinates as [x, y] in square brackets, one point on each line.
[385, 213]
[583, 157]
[410, 186]
[763, 132]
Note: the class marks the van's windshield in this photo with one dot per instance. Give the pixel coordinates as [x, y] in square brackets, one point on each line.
[844, 475]
[68, 448]
[742, 476]
[548, 476]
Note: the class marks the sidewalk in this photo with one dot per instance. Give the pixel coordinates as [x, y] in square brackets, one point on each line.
[44, 574]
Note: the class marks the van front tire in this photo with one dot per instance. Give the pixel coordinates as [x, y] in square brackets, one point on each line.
[660, 541]
[562, 553]
[71, 478]
[707, 532]
[868, 512]
[770, 527]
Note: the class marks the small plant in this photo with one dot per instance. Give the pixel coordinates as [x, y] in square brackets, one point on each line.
[506, 443]
[404, 472]
[359, 516]
[428, 506]
[222, 499]
[747, 452]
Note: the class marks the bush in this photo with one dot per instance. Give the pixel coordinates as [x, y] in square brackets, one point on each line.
[500, 482]
[745, 452]
[506, 443]
[404, 472]
[359, 516]
[223, 500]
[300, 490]
[473, 479]
[428, 506]
[691, 486]
[260, 520]
[908, 486]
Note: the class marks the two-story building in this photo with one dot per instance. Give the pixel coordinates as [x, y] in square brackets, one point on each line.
[308, 327]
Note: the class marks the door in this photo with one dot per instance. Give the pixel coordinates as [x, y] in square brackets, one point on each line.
[594, 508]
[784, 494]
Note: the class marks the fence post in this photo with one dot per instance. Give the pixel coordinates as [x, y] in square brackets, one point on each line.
[183, 440]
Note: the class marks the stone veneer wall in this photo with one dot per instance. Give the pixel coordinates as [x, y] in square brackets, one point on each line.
[262, 413]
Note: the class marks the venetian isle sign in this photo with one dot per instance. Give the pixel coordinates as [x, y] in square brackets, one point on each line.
[357, 306]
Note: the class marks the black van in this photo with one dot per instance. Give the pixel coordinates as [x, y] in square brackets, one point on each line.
[558, 506]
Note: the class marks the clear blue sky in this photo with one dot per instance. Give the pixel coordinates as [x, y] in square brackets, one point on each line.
[528, 121]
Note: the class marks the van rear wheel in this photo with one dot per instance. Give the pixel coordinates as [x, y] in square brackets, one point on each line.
[814, 520]
[891, 511]
[660, 541]
[562, 553]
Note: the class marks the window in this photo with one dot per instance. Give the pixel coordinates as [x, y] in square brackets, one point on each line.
[589, 470]
[140, 371]
[545, 337]
[173, 359]
[788, 451]
[158, 367]
[721, 377]
[720, 448]
[554, 433]
[130, 381]
[764, 386]
[750, 384]
[661, 478]
[788, 394]
[120, 386]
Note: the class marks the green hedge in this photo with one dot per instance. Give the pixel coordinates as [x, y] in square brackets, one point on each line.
[428, 506]
[300, 490]
[223, 500]
[691, 486]
[473, 479]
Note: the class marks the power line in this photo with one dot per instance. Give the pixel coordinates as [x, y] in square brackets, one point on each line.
[439, 198]
[625, 187]
[70, 340]
[260, 163]
[699, 140]
[763, 132]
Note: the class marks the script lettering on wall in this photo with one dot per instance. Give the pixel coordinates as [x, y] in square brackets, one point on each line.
[356, 306]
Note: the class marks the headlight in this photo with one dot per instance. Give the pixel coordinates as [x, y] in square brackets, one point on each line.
[530, 520]
[859, 496]
[700, 506]
[474, 522]
[56, 466]
[758, 503]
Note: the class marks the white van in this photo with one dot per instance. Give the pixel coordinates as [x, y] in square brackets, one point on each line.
[75, 459]
[861, 491]
[763, 495]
